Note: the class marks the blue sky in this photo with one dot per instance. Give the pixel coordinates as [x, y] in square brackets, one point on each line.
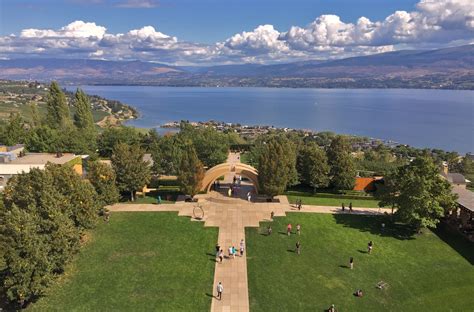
[229, 31]
[204, 21]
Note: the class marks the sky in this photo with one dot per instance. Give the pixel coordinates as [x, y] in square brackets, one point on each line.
[203, 32]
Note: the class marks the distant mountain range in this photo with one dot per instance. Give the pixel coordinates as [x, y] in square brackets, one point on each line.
[450, 68]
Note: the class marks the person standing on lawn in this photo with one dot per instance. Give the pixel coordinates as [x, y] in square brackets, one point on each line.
[351, 263]
[298, 247]
[288, 229]
[298, 229]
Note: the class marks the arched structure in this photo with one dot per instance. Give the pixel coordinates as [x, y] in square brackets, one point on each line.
[222, 169]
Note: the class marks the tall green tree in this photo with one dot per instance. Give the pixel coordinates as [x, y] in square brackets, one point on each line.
[418, 192]
[41, 221]
[83, 115]
[112, 136]
[102, 177]
[191, 171]
[132, 172]
[342, 165]
[14, 132]
[58, 115]
[276, 166]
[211, 146]
[171, 147]
[313, 166]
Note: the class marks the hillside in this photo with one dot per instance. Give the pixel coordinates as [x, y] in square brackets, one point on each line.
[450, 68]
[17, 97]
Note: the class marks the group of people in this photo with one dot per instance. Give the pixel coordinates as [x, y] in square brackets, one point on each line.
[220, 257]
[344, 207]
[232, 252]
[289, 227]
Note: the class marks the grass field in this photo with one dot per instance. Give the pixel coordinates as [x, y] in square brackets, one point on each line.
[309, 199]
[424, 272]
[139, 262]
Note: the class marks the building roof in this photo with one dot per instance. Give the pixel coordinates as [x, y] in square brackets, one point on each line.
[455, 178]
[42, 159]
[465, 197]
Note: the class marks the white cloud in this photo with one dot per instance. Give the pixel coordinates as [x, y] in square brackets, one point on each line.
[434, 23]
[138, 4]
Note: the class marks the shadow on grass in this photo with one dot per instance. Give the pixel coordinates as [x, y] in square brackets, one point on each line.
[291, 250]
[373, 225]
[362, 251]
[210, 295]
[344, 266]
[456, 241]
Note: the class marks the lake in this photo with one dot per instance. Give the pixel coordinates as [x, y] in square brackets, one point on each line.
[422, 118]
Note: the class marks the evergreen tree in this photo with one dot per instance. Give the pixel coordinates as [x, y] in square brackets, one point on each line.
[313, 166]
[102, 178]
[58, 115]
[83, 115]
[420, 195]
[35, 116]
[171, 147]
[191, 171]
[14, 132]
[342, 165]
[44, 139]
[276, 166]
[132, 172]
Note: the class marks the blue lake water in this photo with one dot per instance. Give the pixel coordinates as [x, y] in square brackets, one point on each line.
[422, 118]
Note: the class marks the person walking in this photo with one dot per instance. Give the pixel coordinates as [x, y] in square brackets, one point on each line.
[351, 263]
[218, 247]
[350, 207]
[229, 192]
[298, 247]
[220, 290]
[249, 197]
[343, 207]
[242, 247]
[272, 214]
[370, 245]
[231, 254]
[298, 229]
[234, 252]
[221, 255]
[288, 229]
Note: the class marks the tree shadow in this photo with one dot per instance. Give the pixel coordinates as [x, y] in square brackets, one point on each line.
[456, 241]
[373, 225]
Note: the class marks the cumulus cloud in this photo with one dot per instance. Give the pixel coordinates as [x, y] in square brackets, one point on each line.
[434, 23]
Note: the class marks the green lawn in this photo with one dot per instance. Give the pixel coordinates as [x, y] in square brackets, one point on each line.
[424, 272]
[139, 262]
[309, 199]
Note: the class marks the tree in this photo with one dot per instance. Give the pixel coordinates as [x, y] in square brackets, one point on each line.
[276, 166]
[171, 147]
[342, 165]
[114, 135]
[191, 171]
[83, 115]
[313, 166]
[419, 193]
[102, 177]
[211, 146]
[41, 221]
[85, 131]
[44, 139]
[132, 172]
[14, 132]
[58, 115]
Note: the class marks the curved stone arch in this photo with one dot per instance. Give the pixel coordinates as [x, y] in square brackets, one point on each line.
[222, 169]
